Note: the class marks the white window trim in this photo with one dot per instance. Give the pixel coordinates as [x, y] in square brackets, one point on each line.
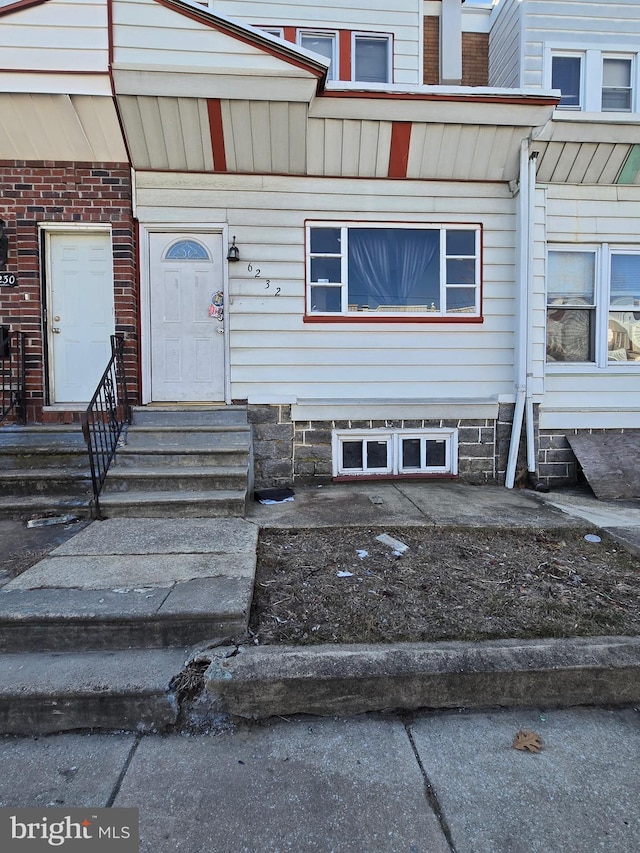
[334, 69]
[602, 303]
[394, 438]
[355, 35]
[344, 272]
[632, 76]
[276, 32]
[591, 76]
[573, 54]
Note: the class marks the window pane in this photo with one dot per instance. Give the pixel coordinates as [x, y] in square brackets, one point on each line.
[436, 454]
[570, 335]
[393, 269]
[352, 454]
[461, 299]
[625, 280]
[616, 73]
[461, 242]
[377, 454]
[570, 278]
[326, 270]
[411, 453]
[565, 75]
[372, 60]
[326, 299]
[616, 100]
[325, 241]
[623, 341]
[461, 272]
[322, 44]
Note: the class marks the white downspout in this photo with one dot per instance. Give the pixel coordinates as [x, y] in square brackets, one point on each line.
[521, 344]
[531, 447]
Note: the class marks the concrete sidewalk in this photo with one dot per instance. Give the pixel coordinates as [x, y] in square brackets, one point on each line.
[426, 783]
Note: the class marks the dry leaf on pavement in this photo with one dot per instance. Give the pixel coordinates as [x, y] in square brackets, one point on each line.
[529, 741]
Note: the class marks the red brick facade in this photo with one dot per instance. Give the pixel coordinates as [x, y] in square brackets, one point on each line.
[70, 193]
[475, 55]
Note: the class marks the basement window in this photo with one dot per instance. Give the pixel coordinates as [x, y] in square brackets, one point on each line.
[394, 453]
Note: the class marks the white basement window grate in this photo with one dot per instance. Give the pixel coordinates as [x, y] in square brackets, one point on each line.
[394, 452]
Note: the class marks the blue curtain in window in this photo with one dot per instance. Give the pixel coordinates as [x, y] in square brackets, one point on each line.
[394, 266]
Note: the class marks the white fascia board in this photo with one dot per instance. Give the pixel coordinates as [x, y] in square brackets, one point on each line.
[476, 19]
[591, 127]
[473, 92]
[55, 83]
[339, 409]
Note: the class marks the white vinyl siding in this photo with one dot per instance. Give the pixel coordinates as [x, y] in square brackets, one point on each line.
[505, 41]
[277, 357]
[606, 393]
[403, 21]
[65, 35]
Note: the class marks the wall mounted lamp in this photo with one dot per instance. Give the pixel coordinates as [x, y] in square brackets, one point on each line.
[234, 253]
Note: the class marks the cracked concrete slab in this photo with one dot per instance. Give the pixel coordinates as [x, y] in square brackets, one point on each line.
[162, 536]
[317, 786]
[580, 793]
[139, 570]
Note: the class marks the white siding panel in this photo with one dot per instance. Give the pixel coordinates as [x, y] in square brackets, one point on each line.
[504, 45]
[61, 35]
[275, 354]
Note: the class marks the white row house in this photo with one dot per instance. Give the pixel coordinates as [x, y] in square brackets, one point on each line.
[407, 240]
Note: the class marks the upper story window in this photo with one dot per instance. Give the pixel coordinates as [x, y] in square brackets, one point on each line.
[371, 58]
[376, 271]
[566, 75]
[593, 305]
[617, 88]
[273, 31]
[593, 81]
[324, 43]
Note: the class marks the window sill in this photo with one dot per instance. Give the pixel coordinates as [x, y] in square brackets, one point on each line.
[366, 318]
[349, 478]
[593, 369]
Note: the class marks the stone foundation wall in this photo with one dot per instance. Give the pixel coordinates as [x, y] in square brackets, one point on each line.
[287, 452]
[557, 464]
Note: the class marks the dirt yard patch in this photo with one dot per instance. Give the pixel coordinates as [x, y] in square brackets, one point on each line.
[336, 585]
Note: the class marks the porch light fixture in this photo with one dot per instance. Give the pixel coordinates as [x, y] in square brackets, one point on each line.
[233, 254]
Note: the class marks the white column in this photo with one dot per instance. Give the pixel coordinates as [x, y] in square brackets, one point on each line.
[451, 43]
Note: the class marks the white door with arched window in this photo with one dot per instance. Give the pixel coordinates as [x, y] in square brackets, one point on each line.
[187, 318]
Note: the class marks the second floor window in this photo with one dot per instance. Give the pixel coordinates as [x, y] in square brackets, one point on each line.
[371, 58]
[616, 84]
[323, 43]
[566, 75]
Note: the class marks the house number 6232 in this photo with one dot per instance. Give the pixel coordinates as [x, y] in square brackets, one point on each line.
[256, 272]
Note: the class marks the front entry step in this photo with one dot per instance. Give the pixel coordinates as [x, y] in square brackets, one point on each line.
[181, 461]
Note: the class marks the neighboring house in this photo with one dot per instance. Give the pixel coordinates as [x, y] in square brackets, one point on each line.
[387, 313]
[586, 262]
[66, 198]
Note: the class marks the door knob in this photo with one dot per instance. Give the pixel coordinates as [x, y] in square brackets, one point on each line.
[56, 331]
[220, 331]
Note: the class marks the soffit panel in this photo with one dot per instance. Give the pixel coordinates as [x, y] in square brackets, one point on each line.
[60, 127]
[571, 162]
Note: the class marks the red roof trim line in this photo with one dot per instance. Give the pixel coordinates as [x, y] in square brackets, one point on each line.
[65, 71]
[214, 108]
[19, 5]
[239, 33]
[525, 100]
[399, 151]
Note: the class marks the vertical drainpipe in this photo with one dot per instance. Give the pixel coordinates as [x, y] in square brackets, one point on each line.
[531, 447]
[521, 344]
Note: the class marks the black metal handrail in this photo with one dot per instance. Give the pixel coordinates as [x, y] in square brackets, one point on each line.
[13, 374]
[105, 417]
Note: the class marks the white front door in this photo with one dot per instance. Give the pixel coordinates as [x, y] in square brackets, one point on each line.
[80, 315]
[187, 325]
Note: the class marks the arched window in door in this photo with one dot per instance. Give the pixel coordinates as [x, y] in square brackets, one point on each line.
[187, 250]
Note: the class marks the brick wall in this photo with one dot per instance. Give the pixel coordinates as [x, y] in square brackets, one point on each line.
[72, 193]
[475, 55]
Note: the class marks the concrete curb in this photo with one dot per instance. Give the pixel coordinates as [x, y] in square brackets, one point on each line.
[257, 682]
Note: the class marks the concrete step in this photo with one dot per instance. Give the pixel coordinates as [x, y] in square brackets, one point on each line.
[67, 619]
[45, 481]
[133, 456]
[186, 504]
[182, 415]
[42, 447]
[25, 507]
[46, 692]
[179, 478]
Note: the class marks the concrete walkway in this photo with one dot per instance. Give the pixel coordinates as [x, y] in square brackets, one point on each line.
[429, 783]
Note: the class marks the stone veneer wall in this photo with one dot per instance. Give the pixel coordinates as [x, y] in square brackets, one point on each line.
[558, 465]
[287, 452]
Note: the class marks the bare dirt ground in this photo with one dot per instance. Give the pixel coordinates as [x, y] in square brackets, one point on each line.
[341, 585]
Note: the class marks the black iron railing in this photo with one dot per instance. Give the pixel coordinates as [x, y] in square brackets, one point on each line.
[105, 417]
[12, 374]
